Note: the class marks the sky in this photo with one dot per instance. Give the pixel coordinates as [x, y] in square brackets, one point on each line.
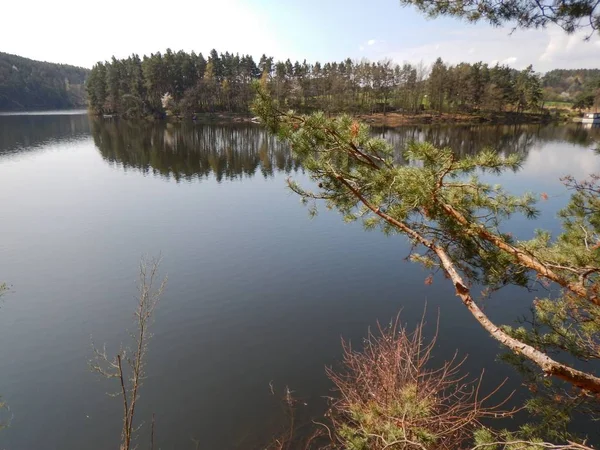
[82, 33]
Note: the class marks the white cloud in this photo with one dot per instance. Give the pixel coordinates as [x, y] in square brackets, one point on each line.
[361, 48]
[563, 48]
[371, 42]
[545, 49]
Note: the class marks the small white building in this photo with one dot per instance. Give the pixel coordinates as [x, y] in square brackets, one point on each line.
[591, 118]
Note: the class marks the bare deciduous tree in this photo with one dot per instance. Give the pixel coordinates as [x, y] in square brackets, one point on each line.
[129, 364]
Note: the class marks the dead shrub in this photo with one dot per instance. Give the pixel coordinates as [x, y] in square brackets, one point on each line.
[390, 396]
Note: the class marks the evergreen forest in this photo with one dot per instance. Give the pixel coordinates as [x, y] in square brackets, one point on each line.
[181, 83]
[26, 84]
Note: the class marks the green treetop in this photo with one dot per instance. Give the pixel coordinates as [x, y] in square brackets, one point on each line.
[571, 15]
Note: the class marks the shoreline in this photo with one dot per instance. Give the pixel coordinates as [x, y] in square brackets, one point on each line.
[390, 120]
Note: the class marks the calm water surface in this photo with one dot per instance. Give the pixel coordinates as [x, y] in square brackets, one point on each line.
[257, 291]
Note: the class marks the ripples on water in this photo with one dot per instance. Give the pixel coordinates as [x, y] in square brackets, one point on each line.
[257, 292]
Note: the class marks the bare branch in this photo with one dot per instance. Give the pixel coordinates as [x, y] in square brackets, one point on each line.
[148, 297]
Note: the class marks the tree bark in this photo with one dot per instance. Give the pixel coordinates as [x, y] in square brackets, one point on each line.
[549, 366]
[522, 257]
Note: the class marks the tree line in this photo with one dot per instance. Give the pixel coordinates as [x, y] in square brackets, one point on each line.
[28, 84]
[183, 83]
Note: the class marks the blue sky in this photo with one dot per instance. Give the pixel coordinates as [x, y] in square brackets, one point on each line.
[328, 29]
[81, 33]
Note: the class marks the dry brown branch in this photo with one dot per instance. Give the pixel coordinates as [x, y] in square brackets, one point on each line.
[300, 434]
[529, 445]
[524, 258]
[152, 432]
[389, 395]
[132, 374]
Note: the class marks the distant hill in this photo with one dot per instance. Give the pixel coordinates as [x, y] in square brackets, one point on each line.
[28, 84]
[563, 84]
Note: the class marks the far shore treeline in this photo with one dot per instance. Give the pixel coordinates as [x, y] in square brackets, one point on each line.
[26, 84]
[185, 84]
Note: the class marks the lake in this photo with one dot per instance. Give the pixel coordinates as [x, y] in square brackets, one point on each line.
[258, 293]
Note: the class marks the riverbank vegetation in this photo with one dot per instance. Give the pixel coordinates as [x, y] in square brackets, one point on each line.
[186, 84]
[457, 225]
[393, 393]
[390, 394]
[26, 84]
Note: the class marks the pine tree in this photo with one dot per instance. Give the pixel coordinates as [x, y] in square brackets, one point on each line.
[456, 224]
[437, 84]
[570, 15]
[96, 88]
[134, 88]
[113, 85]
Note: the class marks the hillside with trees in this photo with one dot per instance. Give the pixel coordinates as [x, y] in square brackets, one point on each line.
[569, 85]
[188, 83]
[28, 84]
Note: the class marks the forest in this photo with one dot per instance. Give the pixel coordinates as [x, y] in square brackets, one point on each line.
[188, 83]
[561, 84]
[581, 87]
[26, 84]
[185, 84]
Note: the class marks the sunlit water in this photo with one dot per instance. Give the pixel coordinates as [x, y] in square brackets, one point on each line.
[258, 293]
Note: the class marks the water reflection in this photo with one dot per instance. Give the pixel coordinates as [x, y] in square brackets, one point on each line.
[506, 139]
[257, 292]
[29, 132]
[591, 125]
[187, 150]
